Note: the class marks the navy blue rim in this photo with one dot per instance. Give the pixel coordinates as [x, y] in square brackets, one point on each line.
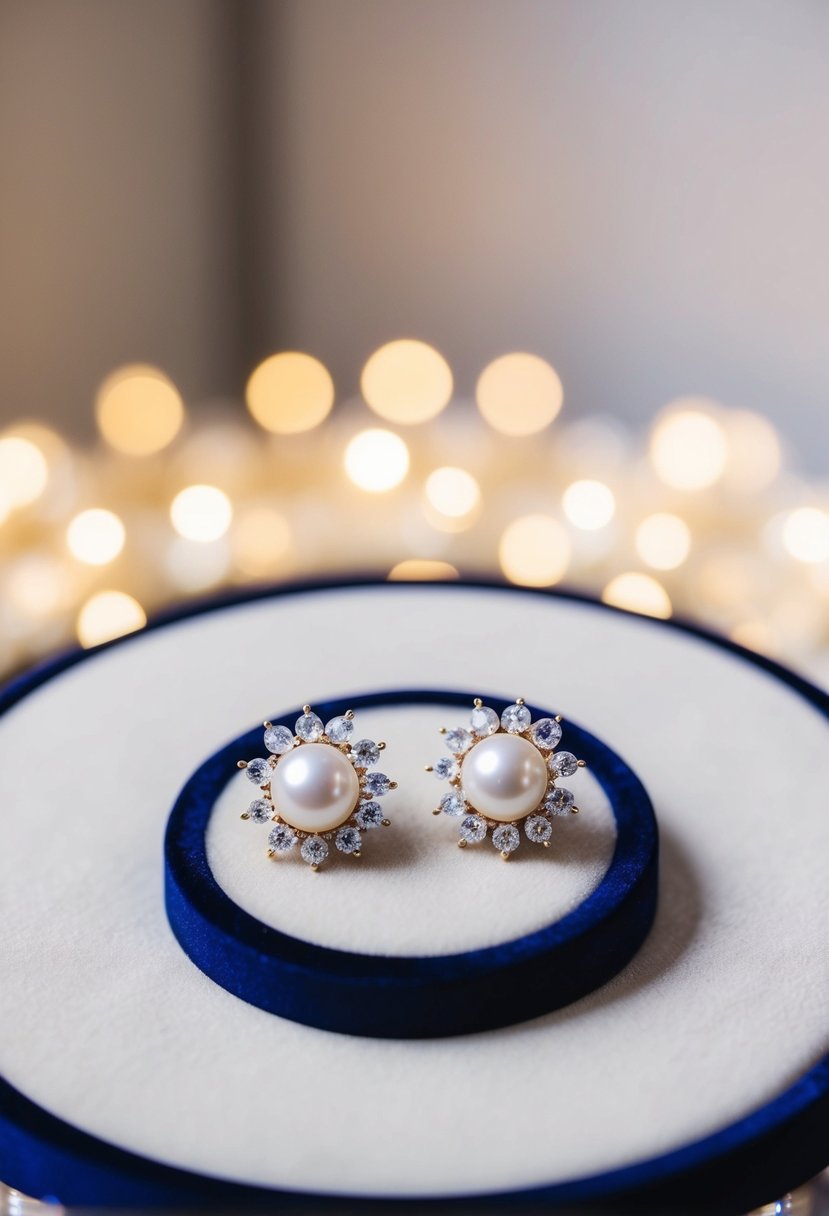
[413, 997]
[747, 1163]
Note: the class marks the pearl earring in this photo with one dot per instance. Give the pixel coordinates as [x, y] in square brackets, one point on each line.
[504, 772]
[316, 786]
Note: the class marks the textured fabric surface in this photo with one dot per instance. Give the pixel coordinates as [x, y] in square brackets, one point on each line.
[106, 1024]
[391, 994]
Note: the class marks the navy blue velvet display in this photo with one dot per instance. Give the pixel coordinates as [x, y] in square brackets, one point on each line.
[410, 997]
[744, 1164]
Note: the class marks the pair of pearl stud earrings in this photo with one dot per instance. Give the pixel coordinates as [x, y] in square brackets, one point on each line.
[317, 786]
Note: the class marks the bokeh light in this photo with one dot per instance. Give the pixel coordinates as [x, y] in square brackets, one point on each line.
[261, 541]
[452, 492]
[806, 534]
[23, 471]
[196, 565]
[754, 634]
[589, 504]
[519, 394]
[422, 569]
[107, 615]
[201, 513]
[663, 540]
[139, 410]
[535, 551]
[95, 536]
[754, 453]
[688, 447]
[638, 593]
[36, 585]
[376, 460]
[290, 392]
[407, 381]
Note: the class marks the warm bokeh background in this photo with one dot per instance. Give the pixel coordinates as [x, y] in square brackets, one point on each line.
[638, 192]
[635, 193]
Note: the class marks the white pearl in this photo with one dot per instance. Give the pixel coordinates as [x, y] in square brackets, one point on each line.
[314, 788]
[504, 777]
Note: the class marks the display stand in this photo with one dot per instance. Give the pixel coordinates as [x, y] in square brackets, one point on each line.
[132, 1078]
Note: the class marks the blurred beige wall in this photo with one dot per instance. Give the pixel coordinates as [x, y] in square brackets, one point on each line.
[116, 224]
[636, 190]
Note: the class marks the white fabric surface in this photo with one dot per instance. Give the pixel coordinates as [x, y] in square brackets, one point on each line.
[104, 1022]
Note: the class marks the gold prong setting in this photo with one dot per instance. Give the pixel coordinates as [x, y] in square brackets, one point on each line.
[503, 824]
[365, 812]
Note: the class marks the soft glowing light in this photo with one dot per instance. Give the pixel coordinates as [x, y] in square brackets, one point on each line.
[519, 394]
[407, 381]
[107, 615]
[139, 410]
[534, 551]
[36, 586]
[95, 536]
[452, 492]
[194, 565]
[201, 513]
[806, 534]
[23, 471]
[663, 541]
[688, 448]
[754, 634]
[376, 460]
[420, 569]
[589, 504]
[754, 455]
[290, 392]
[638, 593]
[261, 541]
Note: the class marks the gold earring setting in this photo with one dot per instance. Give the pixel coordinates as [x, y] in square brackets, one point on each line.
[317, 786]
[504, 772]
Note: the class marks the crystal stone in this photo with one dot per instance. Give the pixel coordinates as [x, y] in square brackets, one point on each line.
[348, 840]
[445, 769]
[559, 801]
[472, 829]
[314, 850]
[259, 771]
[370, 815]
[309, 727]
[452, 804]
[458, 740]
[484, 721]
[506, 838]
[563, 764]
[365, 753]
[339, 729]
[281, 838]
[260, 810]
[279, 740]
[376, 784]
[516, 719]
[538, 829]
[546, 733]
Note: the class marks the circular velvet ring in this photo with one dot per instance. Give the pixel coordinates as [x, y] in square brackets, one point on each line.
[411, 997]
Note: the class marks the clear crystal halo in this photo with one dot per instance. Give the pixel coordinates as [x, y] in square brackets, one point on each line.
[316, 787]
[406, 996]
[503, 771]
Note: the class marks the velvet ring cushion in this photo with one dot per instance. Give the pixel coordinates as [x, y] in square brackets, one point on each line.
[434, 995]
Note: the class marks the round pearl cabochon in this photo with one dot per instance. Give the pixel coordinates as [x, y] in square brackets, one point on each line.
[315, 788]
[504, 777]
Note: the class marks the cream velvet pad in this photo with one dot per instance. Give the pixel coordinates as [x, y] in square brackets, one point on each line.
[106, 1024]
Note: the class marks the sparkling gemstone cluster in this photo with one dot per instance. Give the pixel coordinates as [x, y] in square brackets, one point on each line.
[317, 786]
[504, 771]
